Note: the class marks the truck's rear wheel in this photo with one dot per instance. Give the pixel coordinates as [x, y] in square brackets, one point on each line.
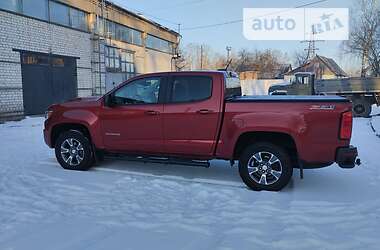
[361, 107]
[264, 166]
[73, 151]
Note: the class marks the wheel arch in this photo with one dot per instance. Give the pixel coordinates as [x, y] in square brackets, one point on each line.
[280, 139]
[60, 128]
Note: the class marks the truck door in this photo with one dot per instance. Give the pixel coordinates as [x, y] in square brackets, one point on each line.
[134, 122]
[192, 114]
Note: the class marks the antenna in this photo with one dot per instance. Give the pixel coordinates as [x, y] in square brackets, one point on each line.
[228, 64]
[311, 48]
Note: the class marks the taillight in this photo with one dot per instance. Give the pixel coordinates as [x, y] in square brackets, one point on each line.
[346, 126]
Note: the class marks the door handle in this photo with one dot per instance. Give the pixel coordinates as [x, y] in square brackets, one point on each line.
[152, 112]
[205, 111]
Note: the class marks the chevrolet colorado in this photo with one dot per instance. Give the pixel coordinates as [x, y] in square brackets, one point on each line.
[202, 116]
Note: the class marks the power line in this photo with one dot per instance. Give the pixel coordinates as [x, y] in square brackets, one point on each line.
[142, 13]
[242, 20]
[173, 6]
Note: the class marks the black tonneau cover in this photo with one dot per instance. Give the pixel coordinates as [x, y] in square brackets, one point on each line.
[287, 98]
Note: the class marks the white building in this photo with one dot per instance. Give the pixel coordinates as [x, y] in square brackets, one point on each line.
[52, 51]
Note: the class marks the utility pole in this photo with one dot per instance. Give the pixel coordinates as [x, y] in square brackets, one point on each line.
[201, 56]
[228, 48]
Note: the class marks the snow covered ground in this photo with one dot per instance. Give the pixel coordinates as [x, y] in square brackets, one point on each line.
[375, 121]
[126, 205]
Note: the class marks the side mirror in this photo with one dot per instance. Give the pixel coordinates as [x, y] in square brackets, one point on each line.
[109, 100]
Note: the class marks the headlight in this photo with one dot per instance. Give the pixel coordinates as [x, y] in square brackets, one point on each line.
[48, 114]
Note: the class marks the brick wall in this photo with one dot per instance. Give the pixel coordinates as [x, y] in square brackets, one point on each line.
[18, 32]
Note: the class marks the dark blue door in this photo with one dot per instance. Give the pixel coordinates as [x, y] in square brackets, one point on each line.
[46, 80]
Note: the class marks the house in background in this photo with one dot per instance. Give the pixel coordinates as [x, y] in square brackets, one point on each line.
[255, 74]
[256, 82]
[282, 70]
[322, 67]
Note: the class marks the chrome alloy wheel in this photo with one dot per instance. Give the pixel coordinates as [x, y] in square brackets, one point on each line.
[264, 168]
[72, 152]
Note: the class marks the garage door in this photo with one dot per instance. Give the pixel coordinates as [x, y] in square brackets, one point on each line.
[46, 80]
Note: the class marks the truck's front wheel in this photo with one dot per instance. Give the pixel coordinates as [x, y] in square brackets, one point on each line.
[73, 151]
[264, 166]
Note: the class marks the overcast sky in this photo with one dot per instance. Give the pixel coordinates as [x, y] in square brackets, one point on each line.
[191, 13]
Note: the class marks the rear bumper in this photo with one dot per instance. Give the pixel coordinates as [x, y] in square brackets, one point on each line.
[346, 157]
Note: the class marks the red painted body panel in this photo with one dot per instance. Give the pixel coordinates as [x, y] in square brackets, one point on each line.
[131, 128]
[82, 111]
[180, 130]
[315, 132]
[189, 132]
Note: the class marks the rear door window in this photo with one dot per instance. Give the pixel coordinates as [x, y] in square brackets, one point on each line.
[190, 89]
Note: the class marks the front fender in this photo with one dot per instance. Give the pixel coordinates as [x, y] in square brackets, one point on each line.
[86, 118]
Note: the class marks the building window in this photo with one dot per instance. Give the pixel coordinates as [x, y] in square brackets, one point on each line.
[67, 16]
[34, 59]
[118, 60]
[120, 32]
[127, 62]
[153, 42]
[136, 37]
[78, 19]
[124, 34]
[12, 5]
[35, 8]
[110, 29]
[59, 13]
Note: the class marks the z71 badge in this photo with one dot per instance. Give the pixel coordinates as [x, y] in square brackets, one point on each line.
[322, 107]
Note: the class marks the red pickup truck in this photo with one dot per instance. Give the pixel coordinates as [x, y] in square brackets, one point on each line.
[201, 116]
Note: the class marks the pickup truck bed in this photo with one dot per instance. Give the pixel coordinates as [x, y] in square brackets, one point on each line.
[303, 118]
[289, 98]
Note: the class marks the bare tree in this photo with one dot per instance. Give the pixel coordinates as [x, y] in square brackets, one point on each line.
[266, 62]
[364, 36]
[300, 57]
[198, 56]
[244, 61]
[374, 55]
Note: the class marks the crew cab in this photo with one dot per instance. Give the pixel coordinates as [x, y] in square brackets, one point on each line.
[202, 116]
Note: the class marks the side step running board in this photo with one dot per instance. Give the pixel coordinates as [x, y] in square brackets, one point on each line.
[160, 160]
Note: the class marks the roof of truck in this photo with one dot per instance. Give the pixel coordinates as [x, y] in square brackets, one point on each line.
[183, 73]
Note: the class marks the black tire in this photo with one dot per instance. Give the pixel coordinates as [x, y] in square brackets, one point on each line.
[86, 155]
[266, 149]
[361, 107]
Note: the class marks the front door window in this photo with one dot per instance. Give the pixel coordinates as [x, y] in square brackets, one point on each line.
[141, 91]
